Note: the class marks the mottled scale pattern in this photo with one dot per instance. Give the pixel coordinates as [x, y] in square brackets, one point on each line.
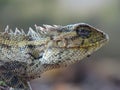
[25, 56]
[9, 73]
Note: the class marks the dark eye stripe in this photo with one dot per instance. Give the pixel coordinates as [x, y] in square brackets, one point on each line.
[84, 33]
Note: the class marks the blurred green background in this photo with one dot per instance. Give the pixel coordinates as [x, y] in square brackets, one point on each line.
[102, 67]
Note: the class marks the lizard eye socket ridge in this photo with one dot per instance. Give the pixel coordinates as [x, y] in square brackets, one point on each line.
[84, 33]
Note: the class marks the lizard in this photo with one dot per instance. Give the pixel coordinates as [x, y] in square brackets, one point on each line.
[25, 56]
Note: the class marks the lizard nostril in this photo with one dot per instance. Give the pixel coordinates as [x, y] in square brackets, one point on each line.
[84, 33]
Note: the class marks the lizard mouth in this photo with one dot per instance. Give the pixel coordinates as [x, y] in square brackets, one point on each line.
[99, 43]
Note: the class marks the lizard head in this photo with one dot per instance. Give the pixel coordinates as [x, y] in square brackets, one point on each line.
[80, 36]
[72, 43]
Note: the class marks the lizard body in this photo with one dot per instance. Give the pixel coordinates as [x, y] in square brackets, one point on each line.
[24, 57]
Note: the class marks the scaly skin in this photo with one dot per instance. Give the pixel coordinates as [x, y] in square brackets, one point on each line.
[24, 57]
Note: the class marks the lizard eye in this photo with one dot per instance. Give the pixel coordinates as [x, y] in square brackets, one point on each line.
[84, 33]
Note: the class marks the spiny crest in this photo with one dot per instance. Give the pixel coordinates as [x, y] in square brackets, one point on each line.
[46, 28]
[7, 29]
[22, 31]
[17, 31]
[37, 32]
[32, 34]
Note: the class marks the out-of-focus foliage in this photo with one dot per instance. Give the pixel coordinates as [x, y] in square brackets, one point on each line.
[103, 14]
